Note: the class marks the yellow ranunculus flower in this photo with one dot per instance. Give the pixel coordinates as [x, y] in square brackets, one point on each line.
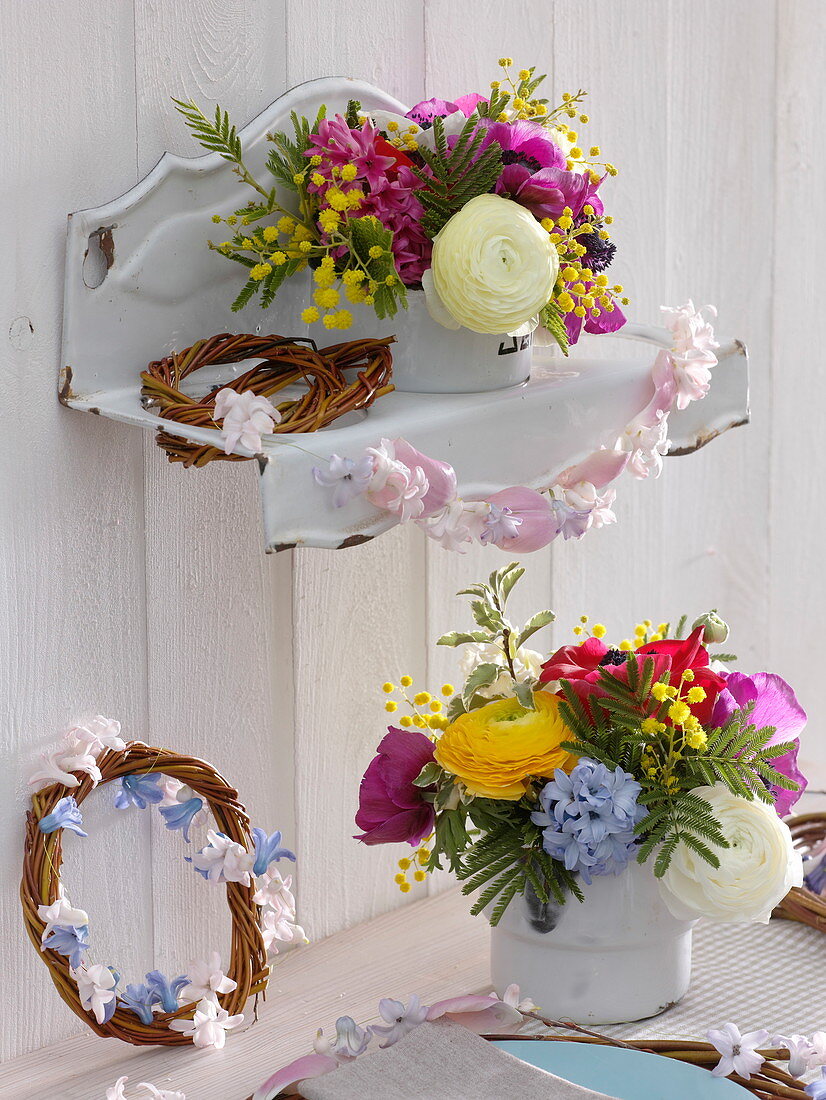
[494, 749]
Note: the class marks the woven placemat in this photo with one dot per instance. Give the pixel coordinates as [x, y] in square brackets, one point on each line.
[759, 976]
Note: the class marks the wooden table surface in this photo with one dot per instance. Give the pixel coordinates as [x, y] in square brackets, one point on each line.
[431, 947]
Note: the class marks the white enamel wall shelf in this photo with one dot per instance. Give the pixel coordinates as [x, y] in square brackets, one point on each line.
[141, 283]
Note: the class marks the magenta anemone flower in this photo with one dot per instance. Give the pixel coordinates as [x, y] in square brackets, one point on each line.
[525, 143]
[467, 104]
[775, 704]
[391, 809]
[606, 322]
[546, 191]
[428, 109]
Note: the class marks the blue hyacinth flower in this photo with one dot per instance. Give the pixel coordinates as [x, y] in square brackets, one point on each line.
[65, 815]
[268, 850]
[588, 818]
[180, 815]
[69, 941]
[165, 990]
[139, 999]
[138, 790]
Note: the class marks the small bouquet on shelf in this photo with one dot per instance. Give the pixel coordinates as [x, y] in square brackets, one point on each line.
[546, 778]
[489, 203]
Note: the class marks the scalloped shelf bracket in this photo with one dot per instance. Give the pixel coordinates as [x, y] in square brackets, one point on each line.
[140, 283]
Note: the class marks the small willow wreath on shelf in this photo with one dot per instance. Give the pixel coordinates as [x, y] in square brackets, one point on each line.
[802, 904]
[40, 885]
[329, 393]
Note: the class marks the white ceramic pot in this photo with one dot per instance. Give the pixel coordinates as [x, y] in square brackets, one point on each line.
[428, 358]
[616, 957]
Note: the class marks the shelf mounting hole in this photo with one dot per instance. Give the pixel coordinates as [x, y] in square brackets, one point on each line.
[99, 256]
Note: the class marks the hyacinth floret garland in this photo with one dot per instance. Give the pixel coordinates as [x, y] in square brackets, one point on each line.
[544, 772]
[729, 1052]
[366, 198]
[400, 481]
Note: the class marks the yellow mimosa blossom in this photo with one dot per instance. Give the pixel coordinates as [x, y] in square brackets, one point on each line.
[494, 749]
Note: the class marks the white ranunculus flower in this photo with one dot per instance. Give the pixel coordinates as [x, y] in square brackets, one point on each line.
[493, 268]
[755, 873]
[527, 664]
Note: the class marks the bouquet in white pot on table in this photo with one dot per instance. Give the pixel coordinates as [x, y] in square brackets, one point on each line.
[597, 801]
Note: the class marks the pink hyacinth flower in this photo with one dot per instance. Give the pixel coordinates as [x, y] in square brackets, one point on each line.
[538, 525]
[479, 1013]
[600, 468]
[302, 1069]
[441, 477]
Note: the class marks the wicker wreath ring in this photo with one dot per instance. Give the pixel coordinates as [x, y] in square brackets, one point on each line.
[802, 904]
[329, 393]
[41, 879]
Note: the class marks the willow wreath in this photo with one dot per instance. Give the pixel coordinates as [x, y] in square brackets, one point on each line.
[329, 392]
[237, 857]
[807, 904]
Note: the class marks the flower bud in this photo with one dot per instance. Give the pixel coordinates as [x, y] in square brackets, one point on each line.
[715, 629]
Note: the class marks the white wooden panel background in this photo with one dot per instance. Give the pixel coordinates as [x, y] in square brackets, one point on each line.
[139, 589]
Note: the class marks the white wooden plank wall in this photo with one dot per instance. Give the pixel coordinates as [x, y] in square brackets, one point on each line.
[139, 589]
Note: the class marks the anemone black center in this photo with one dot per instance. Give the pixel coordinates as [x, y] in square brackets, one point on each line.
[613, 657]
[511, 156]
[599, 253]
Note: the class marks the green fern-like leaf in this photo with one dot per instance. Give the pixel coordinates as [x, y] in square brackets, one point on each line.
[249, 289]
[366, 233]
[552, 319]
[218, 135]
[451, 177]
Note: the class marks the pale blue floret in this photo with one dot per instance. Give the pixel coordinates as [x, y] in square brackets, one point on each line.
[139, 999]
[65, 815]
[180, 814]
[166, 990]
[69, 941]
[138, 790]
[268, 850]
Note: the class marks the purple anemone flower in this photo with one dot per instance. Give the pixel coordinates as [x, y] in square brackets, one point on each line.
[606, 322]
[391, 808]
[525, 143]
[428, 109]
[547, 190]
[775, 704]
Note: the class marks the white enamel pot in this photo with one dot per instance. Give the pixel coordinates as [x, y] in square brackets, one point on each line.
[428, 358]
[616, 957]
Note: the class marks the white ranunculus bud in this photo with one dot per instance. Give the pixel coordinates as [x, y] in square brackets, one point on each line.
[755, 873]
[715, 628]
[493, 268]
